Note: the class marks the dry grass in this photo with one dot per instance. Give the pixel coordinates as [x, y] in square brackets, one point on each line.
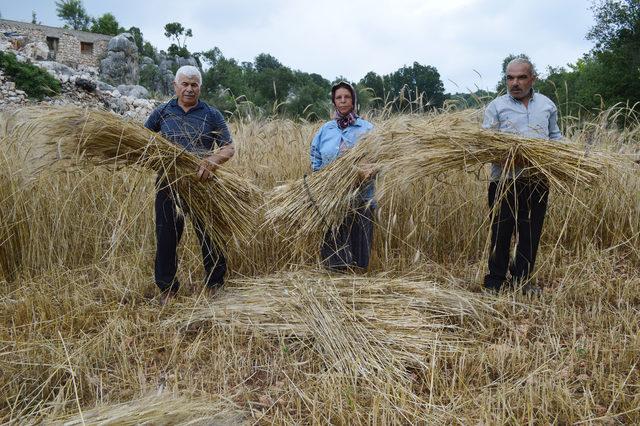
[227, 204]
[408, 150]
[413, 341]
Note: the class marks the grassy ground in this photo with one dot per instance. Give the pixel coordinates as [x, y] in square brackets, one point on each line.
[412, 341]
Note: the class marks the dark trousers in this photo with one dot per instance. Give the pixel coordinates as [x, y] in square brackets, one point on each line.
[523, 205]
[349, 244]
[169, 227]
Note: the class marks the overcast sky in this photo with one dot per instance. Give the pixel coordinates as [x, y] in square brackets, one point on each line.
[466, 40]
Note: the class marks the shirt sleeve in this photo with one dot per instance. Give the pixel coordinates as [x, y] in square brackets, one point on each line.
[316, 158]
[153, 122]
[554, 130]
[223, 136]
[490, 120]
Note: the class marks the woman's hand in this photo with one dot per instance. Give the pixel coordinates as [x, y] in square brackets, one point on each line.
[367, 171]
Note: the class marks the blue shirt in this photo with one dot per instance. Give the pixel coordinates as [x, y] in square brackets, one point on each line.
[538, 120]
[325, 147]
[197, 130]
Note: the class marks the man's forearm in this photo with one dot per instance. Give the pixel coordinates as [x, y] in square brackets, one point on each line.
[222, 155]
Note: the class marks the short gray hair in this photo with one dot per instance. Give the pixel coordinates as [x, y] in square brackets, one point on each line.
[520, 60]
[188, 71]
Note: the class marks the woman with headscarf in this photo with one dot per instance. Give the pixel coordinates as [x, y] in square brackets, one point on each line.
[349, 245]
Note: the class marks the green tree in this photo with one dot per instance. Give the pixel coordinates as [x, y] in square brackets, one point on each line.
[176, 31]
[418, 86]
[264, 61]
[610, 72]
[106, 24]
[308, 96]
[150, 51]
[73, 13]
[617, 23]
[138, 39]
[375, 85]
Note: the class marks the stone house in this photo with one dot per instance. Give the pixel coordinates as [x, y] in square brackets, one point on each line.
[66, 46]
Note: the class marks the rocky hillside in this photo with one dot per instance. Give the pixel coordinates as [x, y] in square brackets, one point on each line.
[81, 86]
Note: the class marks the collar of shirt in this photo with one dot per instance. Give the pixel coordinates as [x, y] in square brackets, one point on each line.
[174, 105]
[532, 92]
[358, 123]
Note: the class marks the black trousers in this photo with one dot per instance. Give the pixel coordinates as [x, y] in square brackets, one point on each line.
[349, 244]
[169, 228]
[523, 205]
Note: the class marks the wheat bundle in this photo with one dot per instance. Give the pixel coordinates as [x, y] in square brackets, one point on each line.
[408, 149]
[433, 147]
[226, 204]
[302, 210]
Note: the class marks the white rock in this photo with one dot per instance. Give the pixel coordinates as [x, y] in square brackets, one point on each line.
[140, 103]
[116, 94]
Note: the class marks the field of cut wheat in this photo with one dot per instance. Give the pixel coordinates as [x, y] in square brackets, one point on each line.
[413, 340]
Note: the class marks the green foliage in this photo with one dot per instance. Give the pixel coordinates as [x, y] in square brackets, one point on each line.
[36, 82]
[175, 50]
[149, 50]
[73, 13]
[617, 23]
[607, 75]
[272, 88]
[149, 77]
[136, 33]
[476, 99]
[266, 84]
[176, 31]
[106, 24]
[418, 86]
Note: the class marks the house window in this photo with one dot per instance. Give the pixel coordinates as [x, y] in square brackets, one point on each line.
[86, 48]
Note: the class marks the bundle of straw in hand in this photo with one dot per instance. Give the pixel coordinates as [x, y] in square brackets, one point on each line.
[302, 210]
[226, 204]
[410, 148]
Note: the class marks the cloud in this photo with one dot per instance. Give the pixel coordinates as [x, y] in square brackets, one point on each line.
[466, 40]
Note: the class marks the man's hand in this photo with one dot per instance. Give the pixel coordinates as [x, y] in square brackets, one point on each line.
[208, 166]
[367, 171]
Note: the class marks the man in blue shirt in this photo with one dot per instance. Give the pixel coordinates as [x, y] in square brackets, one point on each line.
[522, 197]
[198, 128]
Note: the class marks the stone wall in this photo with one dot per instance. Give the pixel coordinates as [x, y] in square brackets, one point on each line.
[69, 42]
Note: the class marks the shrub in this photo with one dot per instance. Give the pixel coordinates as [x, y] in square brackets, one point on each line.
[150, 77]
[36, 82]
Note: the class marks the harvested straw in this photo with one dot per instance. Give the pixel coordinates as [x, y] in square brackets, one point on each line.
[163, 409]
[323, 198]
[226, 204]
[406, 317]
[409, 149]
[451, 142]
